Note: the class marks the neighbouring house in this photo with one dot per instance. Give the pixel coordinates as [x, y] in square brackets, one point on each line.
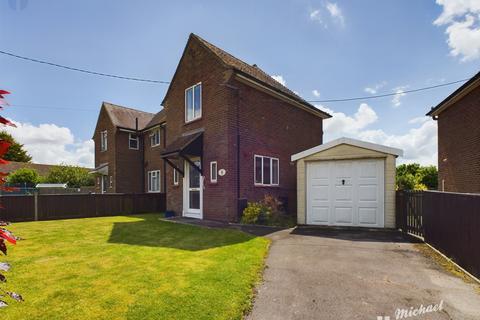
[128, 147]
[458, 118]
[225, 137]
[347, 182]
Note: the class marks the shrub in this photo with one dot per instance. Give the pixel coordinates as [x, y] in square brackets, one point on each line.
[256, 212]
[269, 211]
[24, 175]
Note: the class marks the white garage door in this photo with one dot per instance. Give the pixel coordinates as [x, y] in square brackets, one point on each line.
[346, 193]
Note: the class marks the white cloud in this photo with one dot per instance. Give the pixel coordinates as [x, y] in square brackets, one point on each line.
[399, 93]
[316, 16]
[374, 89]
[332, 12]
[462, 18]
[280, 79]
[418, 120]
[335, 12]
[340, 124]
[316, 93]
[51, 144]
[419, 143]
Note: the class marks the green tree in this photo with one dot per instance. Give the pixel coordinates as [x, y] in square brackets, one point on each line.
[24, 175]
[16, 152]
[415, 177]
[429, 176]
[73, 176]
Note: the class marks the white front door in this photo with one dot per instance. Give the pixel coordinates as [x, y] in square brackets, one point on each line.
[193, 191]
[346, 193]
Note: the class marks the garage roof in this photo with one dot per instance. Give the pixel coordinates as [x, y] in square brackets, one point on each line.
[349, 141]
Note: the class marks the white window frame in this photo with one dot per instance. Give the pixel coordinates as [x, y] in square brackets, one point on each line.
[271, 159]
[103, 140]
[133, 139]
[111, 182]
[193, 103]
[212, 178]
[175, 177]
[150, 175]
[155, 132]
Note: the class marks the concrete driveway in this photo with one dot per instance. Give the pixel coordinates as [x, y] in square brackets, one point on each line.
[315, 273]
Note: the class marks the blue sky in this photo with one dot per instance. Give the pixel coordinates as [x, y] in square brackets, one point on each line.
[321, 49]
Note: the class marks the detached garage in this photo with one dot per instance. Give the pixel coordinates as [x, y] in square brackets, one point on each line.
[347, 182]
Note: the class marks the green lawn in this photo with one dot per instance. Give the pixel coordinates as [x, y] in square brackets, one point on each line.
[131, 267]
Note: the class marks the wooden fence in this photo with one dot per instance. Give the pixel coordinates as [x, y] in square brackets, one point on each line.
[62, 206]
[450, 222]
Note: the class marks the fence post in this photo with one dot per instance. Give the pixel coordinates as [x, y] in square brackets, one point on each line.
[35, 197]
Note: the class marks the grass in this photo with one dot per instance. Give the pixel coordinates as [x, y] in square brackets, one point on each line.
[131, 267]
[445, 264]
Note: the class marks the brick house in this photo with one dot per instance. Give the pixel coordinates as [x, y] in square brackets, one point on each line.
[228, 130]
[458, 119]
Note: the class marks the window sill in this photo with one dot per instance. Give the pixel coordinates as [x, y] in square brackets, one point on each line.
[192, 121]
[157, 145]
[153, 191]
[266, 185]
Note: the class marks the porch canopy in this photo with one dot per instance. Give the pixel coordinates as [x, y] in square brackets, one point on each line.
[184, 147]
[102, 169]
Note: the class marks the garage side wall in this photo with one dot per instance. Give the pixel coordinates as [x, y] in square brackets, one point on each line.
[348, 152]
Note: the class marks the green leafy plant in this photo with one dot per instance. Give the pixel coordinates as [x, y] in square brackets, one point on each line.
[256, 213]
[73, 176]
[16, 152]
[24, 175]
[269, 211]
[415, 177]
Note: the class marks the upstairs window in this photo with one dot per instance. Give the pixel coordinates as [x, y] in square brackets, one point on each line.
[132, 141]
[193, 103]
[266, 171]
[155, 138]
[103, 140]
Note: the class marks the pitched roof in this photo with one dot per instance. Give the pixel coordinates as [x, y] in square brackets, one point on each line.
[42, 169]
[158, 118]
[457, 94]
[125, 117]
[349, 141]
[253, 71]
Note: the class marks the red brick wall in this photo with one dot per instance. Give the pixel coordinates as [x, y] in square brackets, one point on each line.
[199, 65]
[128, 165]
[459, 145]
[153, 160]
[271, 127]
[108, 156]
[268, 126]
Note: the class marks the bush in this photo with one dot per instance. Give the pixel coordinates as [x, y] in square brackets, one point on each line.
[74, 176]
[269, 211]
[24, 175]
[255, 212]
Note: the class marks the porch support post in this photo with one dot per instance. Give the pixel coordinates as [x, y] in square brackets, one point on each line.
[174, 166]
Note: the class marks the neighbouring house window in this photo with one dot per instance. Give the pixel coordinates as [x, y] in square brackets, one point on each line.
[103, 140]
[266, 171]
[193, 103]
[175, 177]
[155, 138]
[154, 181]
[111, 181]
[132, 141]
[104, 184]
[213, 171]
